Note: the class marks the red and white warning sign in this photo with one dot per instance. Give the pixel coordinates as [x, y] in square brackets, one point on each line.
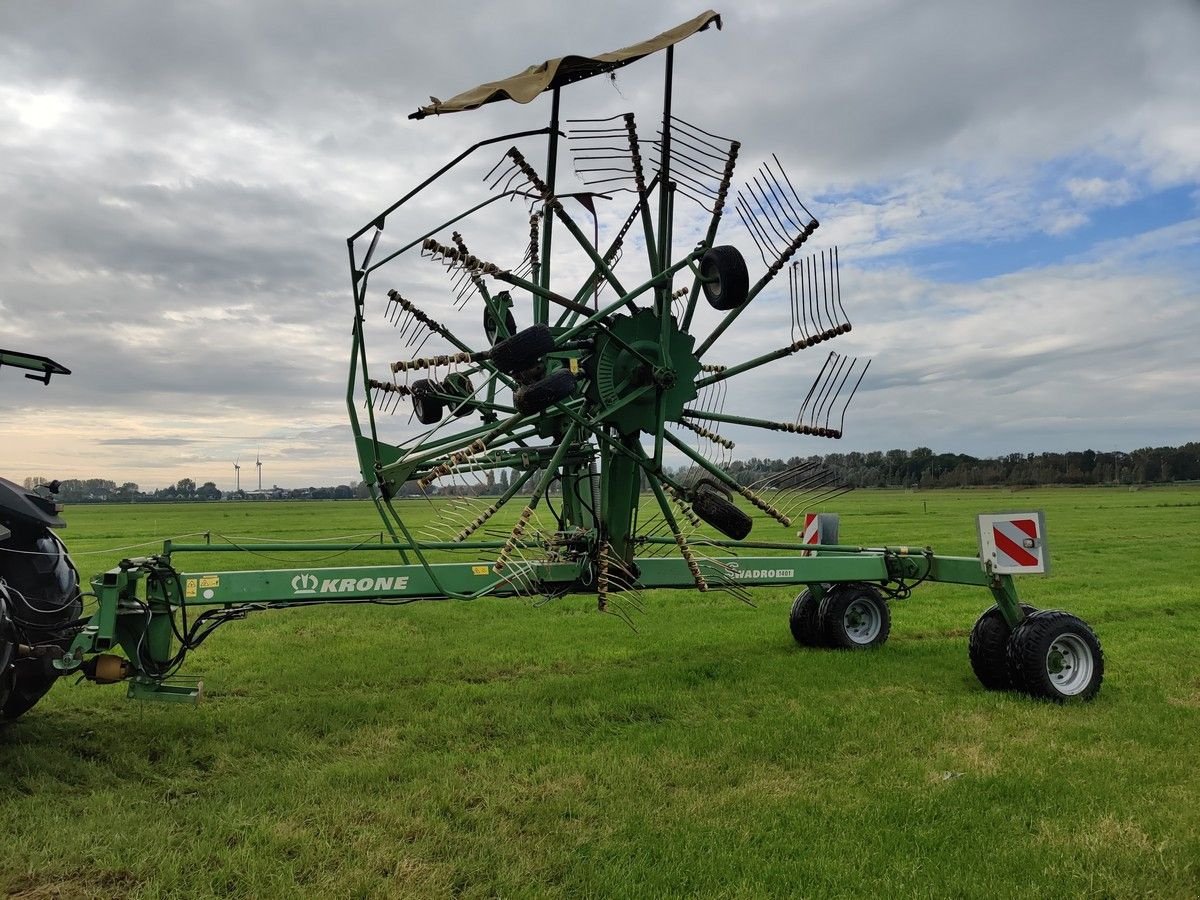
[819, 528]
[1014, 543]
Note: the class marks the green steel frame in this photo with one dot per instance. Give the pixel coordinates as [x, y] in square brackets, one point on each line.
[143, 604]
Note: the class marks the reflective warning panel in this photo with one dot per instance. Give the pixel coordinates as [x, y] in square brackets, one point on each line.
[1014, 543]
[819, 528]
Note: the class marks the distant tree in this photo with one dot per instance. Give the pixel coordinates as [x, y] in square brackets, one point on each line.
[185, 488]
[208, 491]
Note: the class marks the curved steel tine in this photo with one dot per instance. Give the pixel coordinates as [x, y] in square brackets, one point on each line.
[837, 274]
[861, 376]
[838, 392]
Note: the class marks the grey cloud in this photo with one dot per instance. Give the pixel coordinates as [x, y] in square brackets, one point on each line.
[178, 237]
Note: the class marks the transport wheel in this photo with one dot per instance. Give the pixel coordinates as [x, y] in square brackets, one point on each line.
[558, 385]
[804, 620]
[988, 648]
[489, 323]
[721, 514]
[711, 484]
[41, 597]
[731, 280]
[459, 386]
[427, 407]
[855, 617]
[523, 350]
[1054, 655]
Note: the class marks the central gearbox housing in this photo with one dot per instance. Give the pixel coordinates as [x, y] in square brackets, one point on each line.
[617, 371]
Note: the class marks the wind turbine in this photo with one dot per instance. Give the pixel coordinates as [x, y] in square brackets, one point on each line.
[237, 475]
[258, 462]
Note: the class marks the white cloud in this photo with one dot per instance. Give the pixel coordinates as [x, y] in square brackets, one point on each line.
[1065, 222]
[1097, 191]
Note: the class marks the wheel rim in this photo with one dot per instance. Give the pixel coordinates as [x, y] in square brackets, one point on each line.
[862, 621]
[1070, 663]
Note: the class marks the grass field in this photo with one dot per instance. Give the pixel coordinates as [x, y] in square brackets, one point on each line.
[495, 748]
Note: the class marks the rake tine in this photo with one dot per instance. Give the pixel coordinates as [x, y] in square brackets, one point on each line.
[814, 298]
[792, 299]
[424, 341]
[785, 205]
[773, 194]
[837, 273]
[762, 215]
[697, 164]
[804, 282]
[750, 228]
[405, 325]
[838, 392]
[783, 172]
[828, 395]
[714, 151]
[750, 220]
[853, 391]
[394, 310]
[822, 392]
[812, 388]
[825, 280]
[768, 212]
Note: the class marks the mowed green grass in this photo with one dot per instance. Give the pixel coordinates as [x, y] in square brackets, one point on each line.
[498, 748]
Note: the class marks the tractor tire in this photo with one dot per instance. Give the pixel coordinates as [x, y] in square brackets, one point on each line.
[721, 514]
[427, 407]
[855, 617]
[489, 324]
[523, 350]
[1055, 656]
[730, 284]
[558, 385]
[42, 598]
[804, 621]
[459, 386]
[988, 648]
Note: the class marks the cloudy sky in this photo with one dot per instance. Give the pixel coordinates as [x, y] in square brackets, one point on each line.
[1014, 188]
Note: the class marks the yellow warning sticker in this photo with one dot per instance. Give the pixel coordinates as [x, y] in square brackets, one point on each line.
[189, 588]
[574, 362]
[479, 570]
[209, 581]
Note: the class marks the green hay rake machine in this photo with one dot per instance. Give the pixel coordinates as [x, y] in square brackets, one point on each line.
[586, 385]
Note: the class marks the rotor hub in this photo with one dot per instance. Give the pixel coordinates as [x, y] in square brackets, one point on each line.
[638, 376]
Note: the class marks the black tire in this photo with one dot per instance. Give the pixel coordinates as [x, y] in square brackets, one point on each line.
[427, 407]
[731, 280]
[855, 617]
[42, 586]
[721, 514]
[31, 681]
[558, 385]
[804, 621]
[489, 323]
[988, 648]
[711, 484]
[523, 350]
[1055, 656]
[459, 386]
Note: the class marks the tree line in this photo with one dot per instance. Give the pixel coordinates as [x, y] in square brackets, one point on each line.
[104, 490]
[920, 467]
